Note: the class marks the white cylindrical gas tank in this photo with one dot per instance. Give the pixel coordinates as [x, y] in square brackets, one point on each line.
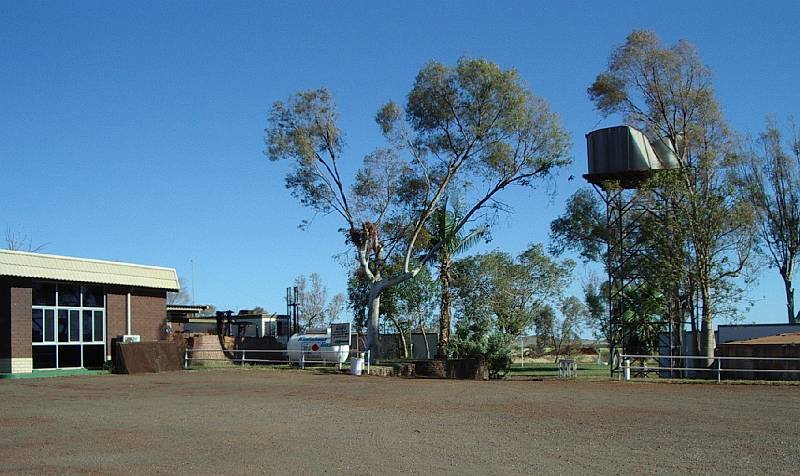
[315, 346]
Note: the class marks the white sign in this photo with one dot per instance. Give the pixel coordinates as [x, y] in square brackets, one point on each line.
[340, 334]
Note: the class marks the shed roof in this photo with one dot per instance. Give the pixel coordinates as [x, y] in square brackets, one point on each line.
[65, 268]
[787, 338]
[187, 307]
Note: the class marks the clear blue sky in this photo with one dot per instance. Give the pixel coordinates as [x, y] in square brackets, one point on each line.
[133, 131]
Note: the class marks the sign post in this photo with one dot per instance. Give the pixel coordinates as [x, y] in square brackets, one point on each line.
[340, 334]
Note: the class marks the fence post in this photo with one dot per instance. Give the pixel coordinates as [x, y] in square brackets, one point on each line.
[186, 358]
[719, 369]
[368, 359]
[626, 367]
[244, 356]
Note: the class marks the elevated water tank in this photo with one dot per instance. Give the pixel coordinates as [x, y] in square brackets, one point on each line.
[625, 155]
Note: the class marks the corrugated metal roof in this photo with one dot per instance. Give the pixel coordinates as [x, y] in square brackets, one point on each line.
[787, 338]
[187, 307]
[81, 270]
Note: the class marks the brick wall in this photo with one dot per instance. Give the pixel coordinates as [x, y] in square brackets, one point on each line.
[15, 325]
[21, 318]
[149, 311]
[116, 300]
[5, 319]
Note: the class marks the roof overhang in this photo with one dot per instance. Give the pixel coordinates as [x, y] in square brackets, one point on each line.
[81, 270]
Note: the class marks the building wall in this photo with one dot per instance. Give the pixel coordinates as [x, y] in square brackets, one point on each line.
[116, 302]
[149, 312]
[5, 319]
[15, 321]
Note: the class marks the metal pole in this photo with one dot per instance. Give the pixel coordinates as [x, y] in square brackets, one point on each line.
[368, 359]
[626, 367]
[719, 370]
[185, 358]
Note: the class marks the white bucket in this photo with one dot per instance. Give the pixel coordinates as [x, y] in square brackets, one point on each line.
[356, 366]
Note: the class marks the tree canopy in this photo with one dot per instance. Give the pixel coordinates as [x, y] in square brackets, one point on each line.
[474, 129]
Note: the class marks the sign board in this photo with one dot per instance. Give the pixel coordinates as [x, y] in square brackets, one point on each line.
[340, 334]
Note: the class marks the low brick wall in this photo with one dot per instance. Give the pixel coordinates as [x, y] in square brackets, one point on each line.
[464, 369]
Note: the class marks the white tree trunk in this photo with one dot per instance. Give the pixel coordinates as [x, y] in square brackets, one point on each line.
[373, 333]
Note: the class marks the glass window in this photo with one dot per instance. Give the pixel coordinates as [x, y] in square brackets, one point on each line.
[38, 326]
[87, 316]
[69, 295]
[49, 325]
[93, 356]
[75, 326]
[44, 356]
[63, 325]
[87, 328]
[92, 296]
[98, 326]
[44, 294]
[69, 356]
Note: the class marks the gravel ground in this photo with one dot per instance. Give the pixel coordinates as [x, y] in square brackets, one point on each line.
[238, 421]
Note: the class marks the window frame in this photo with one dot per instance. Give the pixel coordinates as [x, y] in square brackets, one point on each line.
[98, 336]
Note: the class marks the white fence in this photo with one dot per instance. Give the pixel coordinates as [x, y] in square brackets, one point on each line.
[276, 357]
[692, 365]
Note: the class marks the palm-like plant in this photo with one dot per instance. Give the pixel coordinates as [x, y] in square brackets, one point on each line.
[443, 232]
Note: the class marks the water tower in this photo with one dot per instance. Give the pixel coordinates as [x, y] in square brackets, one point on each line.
[621, 159]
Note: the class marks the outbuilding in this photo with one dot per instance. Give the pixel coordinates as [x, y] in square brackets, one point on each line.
[59, 312]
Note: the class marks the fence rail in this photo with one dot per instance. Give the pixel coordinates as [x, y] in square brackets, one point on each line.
[716, 367]
[283, 357]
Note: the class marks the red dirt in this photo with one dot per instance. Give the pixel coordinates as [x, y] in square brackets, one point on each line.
[237, 421]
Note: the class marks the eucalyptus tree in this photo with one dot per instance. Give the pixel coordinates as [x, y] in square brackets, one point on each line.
[667, 93]
[474, 127]
[770, 177]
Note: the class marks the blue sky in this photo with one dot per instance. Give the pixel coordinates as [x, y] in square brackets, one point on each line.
[133, 131]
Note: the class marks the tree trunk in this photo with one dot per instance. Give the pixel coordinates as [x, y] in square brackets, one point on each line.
[373, 333]
[425, 338]
[444, 308]
[556, 349]
[787, 284]
[403, 341]
[707, 327]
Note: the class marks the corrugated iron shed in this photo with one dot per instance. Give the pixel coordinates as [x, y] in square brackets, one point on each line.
[81, 270]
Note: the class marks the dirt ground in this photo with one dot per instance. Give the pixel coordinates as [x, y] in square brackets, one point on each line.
[237, 421]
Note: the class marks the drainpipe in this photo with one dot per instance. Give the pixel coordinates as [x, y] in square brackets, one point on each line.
[128, 315]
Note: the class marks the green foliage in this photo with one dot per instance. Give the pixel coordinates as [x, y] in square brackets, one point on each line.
[643, 320]
[304, 130]
[498, 354]
[498, 297]
[581, 228]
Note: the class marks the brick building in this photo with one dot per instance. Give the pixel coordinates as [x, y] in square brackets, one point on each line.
[62, 312]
